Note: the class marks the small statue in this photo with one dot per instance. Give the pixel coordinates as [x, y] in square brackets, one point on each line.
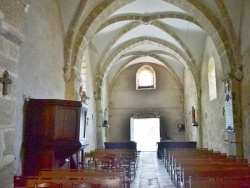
[83, 95]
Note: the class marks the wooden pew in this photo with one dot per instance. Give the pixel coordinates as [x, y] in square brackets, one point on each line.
[201, 162]
[226, 166]
[106, 181]
[206, 154]
[219, 182]
[199, 157]
[167, 145]
[48, 173]
[79, 174]
[197, 173]
[208, 166]
[176, 160]
[168, 152]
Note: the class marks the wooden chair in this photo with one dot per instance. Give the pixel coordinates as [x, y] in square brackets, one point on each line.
[90, 161]
[86, 185]
[124, 162]
[48, 185]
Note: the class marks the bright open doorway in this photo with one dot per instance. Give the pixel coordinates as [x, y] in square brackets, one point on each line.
[146, 133]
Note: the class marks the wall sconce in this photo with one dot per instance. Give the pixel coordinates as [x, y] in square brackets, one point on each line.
[105, 123]
[181, 127]
[195, 124]
[105, 126]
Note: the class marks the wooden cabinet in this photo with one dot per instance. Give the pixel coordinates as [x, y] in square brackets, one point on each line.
[54, 133]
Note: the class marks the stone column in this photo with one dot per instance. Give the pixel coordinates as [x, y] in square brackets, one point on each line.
[99, 128]
[200, 135]
[238, 141]
[234, 139]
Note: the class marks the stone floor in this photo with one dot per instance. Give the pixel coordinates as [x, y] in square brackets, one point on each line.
[151, 172]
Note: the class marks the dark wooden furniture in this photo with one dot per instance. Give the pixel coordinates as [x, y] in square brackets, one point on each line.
[48, 184]
[54, 134]
[120, 145]
[162, 145]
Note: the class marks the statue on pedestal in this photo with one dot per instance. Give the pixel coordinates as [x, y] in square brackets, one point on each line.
[83, 95]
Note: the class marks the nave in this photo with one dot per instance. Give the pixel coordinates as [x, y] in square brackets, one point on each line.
[151, 172]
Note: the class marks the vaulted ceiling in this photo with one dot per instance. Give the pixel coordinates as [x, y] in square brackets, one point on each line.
[122, 33]
[162, 32]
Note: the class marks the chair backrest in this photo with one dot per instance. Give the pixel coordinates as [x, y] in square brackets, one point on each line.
[86, 185]
[48, 185]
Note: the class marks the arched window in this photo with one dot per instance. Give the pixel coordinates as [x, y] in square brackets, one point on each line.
[212, 80]
[145, 78]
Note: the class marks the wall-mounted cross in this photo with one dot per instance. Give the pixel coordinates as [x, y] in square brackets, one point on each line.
[5, 80]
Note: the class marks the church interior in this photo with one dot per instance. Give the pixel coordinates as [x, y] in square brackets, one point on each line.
[87, 68]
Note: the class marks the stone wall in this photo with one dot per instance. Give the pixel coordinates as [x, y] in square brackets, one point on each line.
[125, 101]
[245, 83]
[190, 99]
[212, 116]
[92, 114]
[40, 73]
[10, 40]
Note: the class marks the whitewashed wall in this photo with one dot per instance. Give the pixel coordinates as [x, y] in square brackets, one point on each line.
[126, 100]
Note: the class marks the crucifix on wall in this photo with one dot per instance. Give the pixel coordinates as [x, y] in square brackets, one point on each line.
[5, 80]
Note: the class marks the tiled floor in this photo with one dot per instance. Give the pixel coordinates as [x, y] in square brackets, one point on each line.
[151, 172]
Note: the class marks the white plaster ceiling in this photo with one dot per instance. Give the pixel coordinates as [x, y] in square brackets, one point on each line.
[147, 7]
[182, 37]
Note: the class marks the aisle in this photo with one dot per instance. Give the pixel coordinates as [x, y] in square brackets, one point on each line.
[151, 173]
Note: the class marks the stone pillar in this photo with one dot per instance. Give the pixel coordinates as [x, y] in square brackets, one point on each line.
[238, 141]
[234, 139]
[199, 131]
[99, 128]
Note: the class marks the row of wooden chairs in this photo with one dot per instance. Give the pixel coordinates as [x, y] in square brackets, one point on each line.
[112, 159]
[191, 168]
[105, 168]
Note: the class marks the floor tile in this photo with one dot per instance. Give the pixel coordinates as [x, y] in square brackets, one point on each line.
[151, 172]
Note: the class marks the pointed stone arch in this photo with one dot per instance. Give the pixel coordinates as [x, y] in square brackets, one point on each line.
[141, 55]
[103, 71]
[148, 18]
[195, 9]
[200, 13]
[210, 23]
